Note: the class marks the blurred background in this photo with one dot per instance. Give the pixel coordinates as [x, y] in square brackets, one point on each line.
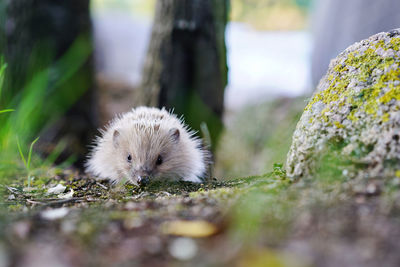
[240, 71]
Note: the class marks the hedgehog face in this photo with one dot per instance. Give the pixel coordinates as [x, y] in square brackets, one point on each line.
[147, 144]
[153, 156]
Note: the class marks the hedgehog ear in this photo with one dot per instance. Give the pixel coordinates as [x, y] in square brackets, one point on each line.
[174, 132]
[116, 136]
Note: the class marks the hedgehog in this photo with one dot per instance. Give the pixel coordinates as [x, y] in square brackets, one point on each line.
[148, 144]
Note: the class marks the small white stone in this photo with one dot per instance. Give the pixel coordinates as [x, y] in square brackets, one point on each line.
[54, 214]
[56, 189]
[68, 195]
[372, 189]
[183, 248]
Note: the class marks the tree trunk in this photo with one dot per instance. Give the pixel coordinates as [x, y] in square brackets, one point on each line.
[338, 24]
[186, 65]
[54, 37]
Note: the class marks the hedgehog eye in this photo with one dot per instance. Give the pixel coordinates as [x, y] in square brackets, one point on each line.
[159, 160]
[129, 158]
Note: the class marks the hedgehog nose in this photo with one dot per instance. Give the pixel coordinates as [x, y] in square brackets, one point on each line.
[143, 180]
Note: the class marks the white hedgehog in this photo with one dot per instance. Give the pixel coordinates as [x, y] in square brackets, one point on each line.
[148, 144]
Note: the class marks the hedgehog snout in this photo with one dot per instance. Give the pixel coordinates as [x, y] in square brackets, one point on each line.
[143, 180]
[142, 177]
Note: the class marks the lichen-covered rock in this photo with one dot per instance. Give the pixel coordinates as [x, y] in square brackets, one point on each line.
[355, 113]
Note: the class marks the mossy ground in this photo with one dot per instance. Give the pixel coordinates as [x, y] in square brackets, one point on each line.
[264, 220]
[111, 221]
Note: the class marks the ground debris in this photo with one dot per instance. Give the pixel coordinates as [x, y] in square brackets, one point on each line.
[81, 216]
[59, 188]
[245, 221]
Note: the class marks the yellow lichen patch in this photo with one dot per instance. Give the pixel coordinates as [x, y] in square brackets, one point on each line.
[385, 117]
[397, 173]
[371, 105]
[380, 43]
[352, 116]
[325, 110]
[369, 99]
[338, 68]
[394, 91]
[351, 56]
[395, 44]
[338, 124]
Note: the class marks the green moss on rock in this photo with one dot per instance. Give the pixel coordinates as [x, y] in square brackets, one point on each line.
[357, 101]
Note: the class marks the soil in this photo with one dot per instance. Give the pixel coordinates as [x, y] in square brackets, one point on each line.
[255, 221]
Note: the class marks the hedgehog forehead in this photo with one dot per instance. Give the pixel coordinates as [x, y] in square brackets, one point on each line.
[145, 138]
[148, 128]
[148, 114]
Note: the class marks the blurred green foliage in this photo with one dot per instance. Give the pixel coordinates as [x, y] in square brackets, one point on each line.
[249, 148]
[137, 7]
[262, 14]
[271, 208]
[44, 98]
[272, 14]
[40, 103]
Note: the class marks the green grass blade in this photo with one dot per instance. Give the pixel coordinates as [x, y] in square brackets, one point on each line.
[20, 152]
[30, 152]
[3, 67]
[6, 110]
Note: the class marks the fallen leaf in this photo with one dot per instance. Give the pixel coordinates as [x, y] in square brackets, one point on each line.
[56, 189]
[188, 228]
[264, 257]
[68, 195]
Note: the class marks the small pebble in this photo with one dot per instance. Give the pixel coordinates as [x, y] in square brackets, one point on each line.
[183, 248]
[58, 189]
[54, 214]
[68, 195]
[372, 189]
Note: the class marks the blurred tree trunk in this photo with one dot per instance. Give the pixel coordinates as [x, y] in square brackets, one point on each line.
[35, 36]
[337, 24]
[186, 65]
